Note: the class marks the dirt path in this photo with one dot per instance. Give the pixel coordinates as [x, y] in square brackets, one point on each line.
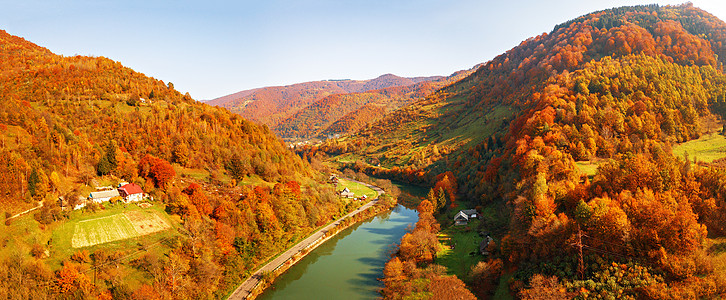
[243, 290]
[40, 204]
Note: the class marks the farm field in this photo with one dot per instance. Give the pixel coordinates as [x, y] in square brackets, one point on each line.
[116, 227]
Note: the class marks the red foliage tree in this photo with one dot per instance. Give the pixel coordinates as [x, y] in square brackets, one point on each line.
[157, 169]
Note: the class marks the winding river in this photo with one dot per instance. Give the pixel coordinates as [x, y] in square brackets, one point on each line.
[348, 265]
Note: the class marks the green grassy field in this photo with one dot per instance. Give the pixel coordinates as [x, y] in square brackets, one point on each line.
[707, 148]
[61, 234]
[357, 188]
[587, 167]
[102, 230]
[459, 242]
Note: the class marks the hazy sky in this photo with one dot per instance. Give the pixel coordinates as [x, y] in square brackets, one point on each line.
[213, 48]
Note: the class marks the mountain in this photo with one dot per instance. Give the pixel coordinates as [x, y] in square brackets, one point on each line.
[315, 119]
[618, 87]
[233, 192]
[271, 105]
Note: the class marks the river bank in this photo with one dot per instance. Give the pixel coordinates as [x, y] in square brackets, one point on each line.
[349, 265]
[264, 276]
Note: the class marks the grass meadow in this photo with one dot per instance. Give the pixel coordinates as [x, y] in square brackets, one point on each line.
[357, 188]
[707, 148]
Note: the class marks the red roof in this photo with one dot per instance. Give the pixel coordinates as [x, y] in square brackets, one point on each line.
[131, 189]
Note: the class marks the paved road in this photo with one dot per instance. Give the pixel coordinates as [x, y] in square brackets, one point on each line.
[246, 287]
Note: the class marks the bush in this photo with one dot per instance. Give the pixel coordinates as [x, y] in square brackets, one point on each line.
[81, 256]
[37, 250]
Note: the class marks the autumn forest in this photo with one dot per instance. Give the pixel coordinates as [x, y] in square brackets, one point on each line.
[587, 162]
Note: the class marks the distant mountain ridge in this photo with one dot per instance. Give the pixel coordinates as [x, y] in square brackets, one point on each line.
[346, 113]
[270, 105]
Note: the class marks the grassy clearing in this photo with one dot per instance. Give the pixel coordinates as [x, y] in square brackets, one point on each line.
[23, 232]
[502, 291]
[200, 174]
[255, 180]
[357, 188]
[707, 148]
[458, 243]
[589, 168]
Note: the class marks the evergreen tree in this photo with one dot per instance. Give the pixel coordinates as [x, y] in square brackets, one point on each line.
[104, 166]
[111, 155]
[33, 181]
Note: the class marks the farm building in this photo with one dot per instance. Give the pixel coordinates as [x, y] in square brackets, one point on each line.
[103, 196]
[346, 193]
[131, 192]
[463, 216]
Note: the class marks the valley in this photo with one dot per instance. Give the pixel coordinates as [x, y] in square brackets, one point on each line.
[585, 162]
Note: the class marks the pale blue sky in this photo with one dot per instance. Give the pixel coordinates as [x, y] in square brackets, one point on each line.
[214, 48]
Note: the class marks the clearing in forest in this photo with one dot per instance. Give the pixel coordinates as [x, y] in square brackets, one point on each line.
[116, 227]
[707, 148]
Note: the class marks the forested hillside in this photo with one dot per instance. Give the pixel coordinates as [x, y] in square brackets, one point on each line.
[235, 193]
[346, 113]
[272, 105]
[619, 87]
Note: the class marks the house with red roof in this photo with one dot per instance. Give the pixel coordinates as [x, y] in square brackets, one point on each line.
[131, 192]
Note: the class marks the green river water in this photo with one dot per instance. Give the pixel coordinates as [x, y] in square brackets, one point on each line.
[348, 265]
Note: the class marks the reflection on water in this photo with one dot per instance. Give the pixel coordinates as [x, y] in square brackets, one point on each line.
[348, 265]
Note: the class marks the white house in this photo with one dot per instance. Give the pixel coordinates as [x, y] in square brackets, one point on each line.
[103, 196]
[131, 192]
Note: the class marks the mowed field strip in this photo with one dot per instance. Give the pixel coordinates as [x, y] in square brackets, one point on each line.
[116, 227]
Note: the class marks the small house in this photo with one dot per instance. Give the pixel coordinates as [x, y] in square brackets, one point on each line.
[346, 193]
[131, 192]
[464, 216]
[364, 197]
[103, 196]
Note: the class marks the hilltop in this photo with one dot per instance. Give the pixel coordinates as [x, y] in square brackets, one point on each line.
[621, 87]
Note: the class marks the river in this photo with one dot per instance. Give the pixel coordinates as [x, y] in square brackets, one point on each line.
[348, 265]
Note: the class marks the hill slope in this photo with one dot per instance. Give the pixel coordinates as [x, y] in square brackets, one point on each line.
[270, 105]
[66, 122]
[620, 86]
[317, 118]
